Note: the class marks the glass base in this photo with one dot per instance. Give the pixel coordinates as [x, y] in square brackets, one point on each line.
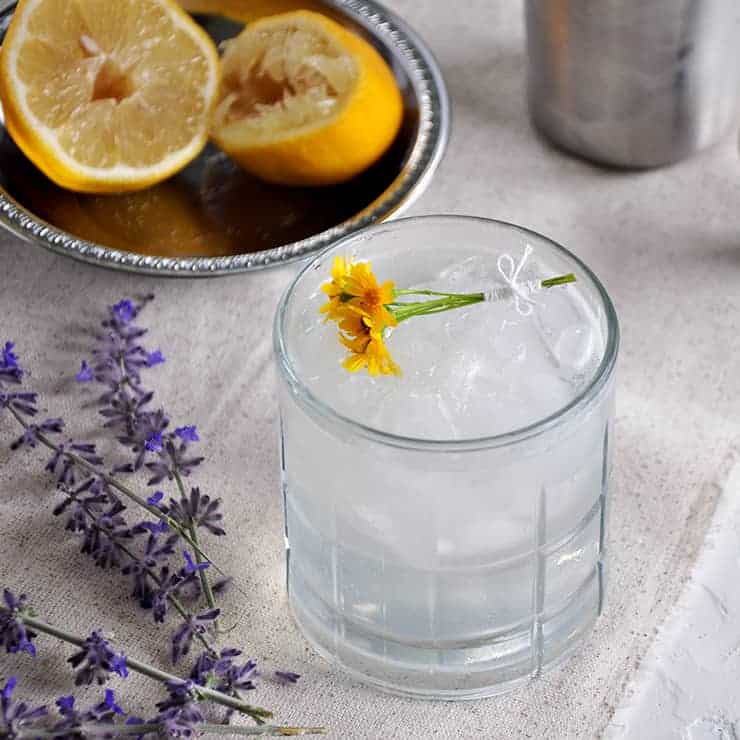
[453, 671]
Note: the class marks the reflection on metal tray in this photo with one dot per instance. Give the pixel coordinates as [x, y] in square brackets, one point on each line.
[212, 218]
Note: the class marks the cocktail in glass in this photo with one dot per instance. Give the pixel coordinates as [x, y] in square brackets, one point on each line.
[445, 528]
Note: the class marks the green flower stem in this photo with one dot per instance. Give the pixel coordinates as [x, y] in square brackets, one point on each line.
[203, 575]
[434, 292]
[121, 730]
[403, 311]
[203, 692]
[126, 491]
[447, 301]
[559, 280]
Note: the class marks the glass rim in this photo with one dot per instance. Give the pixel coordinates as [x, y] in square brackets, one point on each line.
[311, 402]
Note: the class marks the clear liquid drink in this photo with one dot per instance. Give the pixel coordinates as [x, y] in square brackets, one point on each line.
[446, 528]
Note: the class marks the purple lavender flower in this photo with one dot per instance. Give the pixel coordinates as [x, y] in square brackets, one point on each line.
[125, 412]
[140, 571]
[160, 471]
[82, 508]
[141, 579]
[21, 401]
[197, 510]
[191, 626]
[155, 498]
[119, 359]
[234, 678]
[287, 677]
[144, 433]
[172, 458]
[108, 705]
[97, 660]
[77, 517]
[14, 716]
[30, 436]
[10, 370]
[95, 722]
[179, 713]
[66, 705]
[86, 374]
[14, 634]
[153, 442]
[187, 434]
[63, 468]
[155, 528]
[222, 673]
[9, 358]
[154, 358]
[170, 584]
[103, 537]
[124, 311]
[192, 567]
[203, 670]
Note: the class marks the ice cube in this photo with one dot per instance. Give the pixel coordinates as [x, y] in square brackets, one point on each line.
[575, 347]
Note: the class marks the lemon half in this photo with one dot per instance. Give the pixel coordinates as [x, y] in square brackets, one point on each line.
[304, 101]
[107, 96]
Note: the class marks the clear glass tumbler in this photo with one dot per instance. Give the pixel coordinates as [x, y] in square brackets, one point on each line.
[445, 530]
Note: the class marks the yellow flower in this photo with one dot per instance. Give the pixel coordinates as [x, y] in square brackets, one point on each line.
[365, 342]
[354, 289]
[335, 308]
[369, 298]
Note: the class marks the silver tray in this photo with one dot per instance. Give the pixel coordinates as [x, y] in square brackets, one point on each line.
[212, 206]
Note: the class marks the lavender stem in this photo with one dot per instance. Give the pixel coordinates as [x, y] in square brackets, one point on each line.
[204, 581]
[113, 730]
[256, 713]
[116, 730]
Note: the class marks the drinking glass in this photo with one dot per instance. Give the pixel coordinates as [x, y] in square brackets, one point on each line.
[445, 529]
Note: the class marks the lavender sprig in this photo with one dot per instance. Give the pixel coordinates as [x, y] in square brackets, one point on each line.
[119, 360]
[108, 719]
[100, 658]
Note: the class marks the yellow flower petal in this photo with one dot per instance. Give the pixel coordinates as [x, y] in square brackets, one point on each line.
[354, 363]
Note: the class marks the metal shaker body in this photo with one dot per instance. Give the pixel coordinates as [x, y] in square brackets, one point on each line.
[633, 83]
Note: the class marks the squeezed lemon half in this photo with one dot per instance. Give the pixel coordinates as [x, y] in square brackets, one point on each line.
[107, 96]
[304, 101]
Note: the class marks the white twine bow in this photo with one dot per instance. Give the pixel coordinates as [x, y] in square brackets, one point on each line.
[509, 271]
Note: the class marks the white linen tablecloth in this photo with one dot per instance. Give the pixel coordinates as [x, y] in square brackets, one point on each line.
[667, 245]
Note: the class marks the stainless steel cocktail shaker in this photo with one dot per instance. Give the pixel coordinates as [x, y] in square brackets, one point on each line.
[634, 83]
